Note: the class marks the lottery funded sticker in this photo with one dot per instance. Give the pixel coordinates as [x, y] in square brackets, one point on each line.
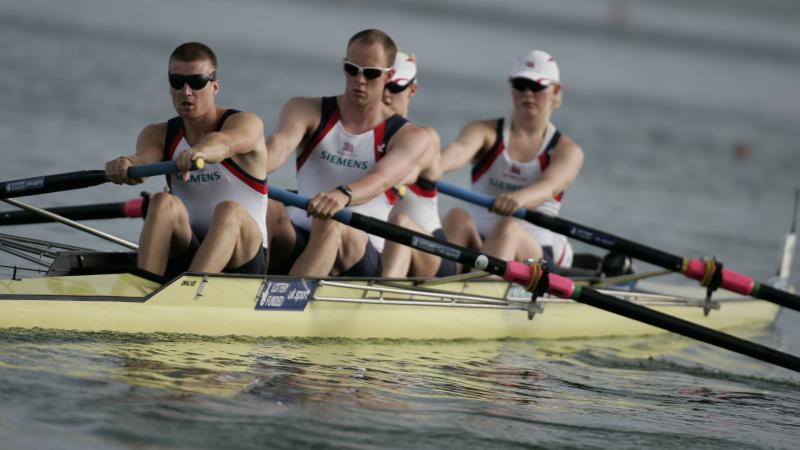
[285, 294]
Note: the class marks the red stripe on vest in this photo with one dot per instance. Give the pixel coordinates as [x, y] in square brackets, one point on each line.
[377, 135]
[483, 169]
[422, 192]
[307, 151]
[544, 160]
[259, 187]
[563, 254]
[175, 142]
[172, 147]
[378, 140]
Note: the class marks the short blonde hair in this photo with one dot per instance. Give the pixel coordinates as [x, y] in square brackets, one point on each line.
[374, 36]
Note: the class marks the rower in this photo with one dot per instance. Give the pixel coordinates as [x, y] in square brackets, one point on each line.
[354, 149]
[418, 207]
[522, 161]
[214, 219]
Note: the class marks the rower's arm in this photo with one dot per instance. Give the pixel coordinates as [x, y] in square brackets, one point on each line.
[470, 141]
[565, 163]
[298, 117]
[241, 134]
[406, 154]
[428, 166]
[149, 149]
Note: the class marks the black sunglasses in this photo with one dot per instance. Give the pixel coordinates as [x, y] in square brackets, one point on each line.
[524, 84]
[370, 73]
[195, 82]
[395, 88]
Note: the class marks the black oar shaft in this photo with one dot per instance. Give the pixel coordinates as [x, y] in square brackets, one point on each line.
[777, 296]
[82, 212]
[559, 286]
[52, 183]
[605, 240]
[428, 244]
[83, 179]
[692, 268]
[688, 329]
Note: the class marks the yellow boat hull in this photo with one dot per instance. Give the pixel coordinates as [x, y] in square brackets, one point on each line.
[219, 305]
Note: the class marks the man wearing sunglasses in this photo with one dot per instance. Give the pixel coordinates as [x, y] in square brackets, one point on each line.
[351, 149]
[521, 161]
[418, 206]
[214, 219]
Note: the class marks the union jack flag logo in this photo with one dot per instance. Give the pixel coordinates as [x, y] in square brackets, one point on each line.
[347, 148]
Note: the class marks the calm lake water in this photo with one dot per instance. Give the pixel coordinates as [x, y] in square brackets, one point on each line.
[658, 93]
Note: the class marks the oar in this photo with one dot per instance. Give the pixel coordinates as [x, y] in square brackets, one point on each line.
[83, 179]
[71, 223]
[709, 272]
[128, 209]
[536, 279]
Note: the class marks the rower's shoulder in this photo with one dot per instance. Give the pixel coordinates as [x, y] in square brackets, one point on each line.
[243, 118]
[481, 126]
[567, 143]
[302, 107]
[567, 148]
[154, 131]
[299, 102]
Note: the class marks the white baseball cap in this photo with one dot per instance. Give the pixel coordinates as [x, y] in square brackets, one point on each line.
[536, 65]
[405, 70]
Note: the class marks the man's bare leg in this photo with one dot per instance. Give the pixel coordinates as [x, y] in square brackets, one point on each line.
[332, 248]
[396, 258]
[233, 239]
[460, 229]
[166, 232]
[400, 260]
[281, 234]
[508, 240]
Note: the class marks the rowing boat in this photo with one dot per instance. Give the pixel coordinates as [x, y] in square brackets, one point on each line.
[91, 291]
[76, 295]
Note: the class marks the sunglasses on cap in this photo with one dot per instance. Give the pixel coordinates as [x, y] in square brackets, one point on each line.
[524, 84]
[395, 88]
[369, 73]
[195, 82]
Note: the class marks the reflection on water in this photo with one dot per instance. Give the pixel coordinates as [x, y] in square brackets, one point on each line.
[345, 388]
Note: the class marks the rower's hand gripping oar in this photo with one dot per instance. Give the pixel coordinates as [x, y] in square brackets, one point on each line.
[83, 179]
[537, 279]
[709, 272]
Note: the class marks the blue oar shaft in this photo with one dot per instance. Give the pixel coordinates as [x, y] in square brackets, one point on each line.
[693, 268]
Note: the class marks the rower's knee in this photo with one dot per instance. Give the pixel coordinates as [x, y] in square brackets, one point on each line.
[505, 226]
[164, 206]
[401, 219]
[459, 226]
[457, 218]
[277, 215]
[228, 214]
[326, 229]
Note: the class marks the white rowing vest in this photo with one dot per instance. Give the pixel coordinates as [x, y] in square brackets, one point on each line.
[421, 204]
[334, 157]
[496, 173]
[214, 183]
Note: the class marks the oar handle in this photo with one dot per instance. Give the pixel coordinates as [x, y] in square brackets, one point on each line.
[298, 201]
[473, 197]
[161, 168]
